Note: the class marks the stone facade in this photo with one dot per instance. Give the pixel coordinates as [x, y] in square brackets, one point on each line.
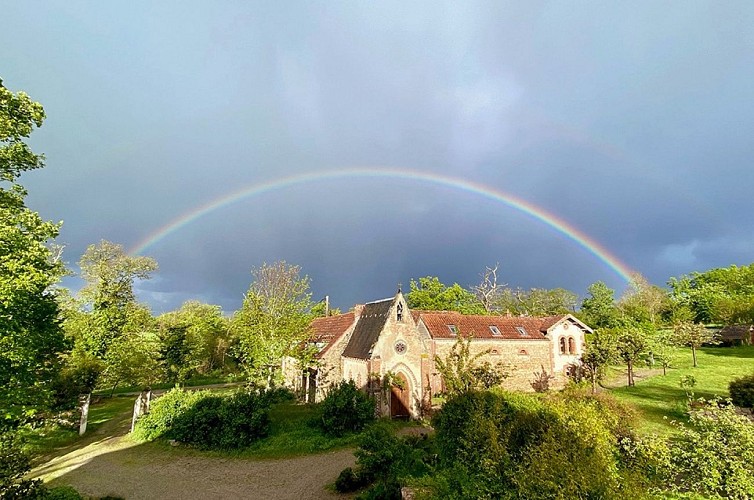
[383, 340]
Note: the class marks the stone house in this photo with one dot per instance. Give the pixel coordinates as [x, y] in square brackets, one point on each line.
[385, 340]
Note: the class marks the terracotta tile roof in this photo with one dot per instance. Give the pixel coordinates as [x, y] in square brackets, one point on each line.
[437, 322]
[736, 332]
[368, 329]
[330, 329]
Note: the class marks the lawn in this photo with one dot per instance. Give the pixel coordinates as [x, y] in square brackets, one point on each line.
[660, 399]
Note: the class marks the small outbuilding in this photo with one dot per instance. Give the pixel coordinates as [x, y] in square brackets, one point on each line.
[737, 335]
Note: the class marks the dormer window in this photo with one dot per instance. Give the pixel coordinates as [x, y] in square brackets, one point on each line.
[399, 312]
[495, 330]
[522, 331]
[453, 329]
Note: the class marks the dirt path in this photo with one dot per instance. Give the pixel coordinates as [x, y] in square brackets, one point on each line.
[110, 463]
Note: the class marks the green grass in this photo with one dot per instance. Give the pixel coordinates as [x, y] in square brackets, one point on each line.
[660, 399]
[50, 437]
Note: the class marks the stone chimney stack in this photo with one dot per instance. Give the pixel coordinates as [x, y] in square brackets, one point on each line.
[358, 309]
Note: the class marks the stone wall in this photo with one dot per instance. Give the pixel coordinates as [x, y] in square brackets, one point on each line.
[523, 360]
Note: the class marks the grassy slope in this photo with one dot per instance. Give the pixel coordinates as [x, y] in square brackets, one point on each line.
[661, 396]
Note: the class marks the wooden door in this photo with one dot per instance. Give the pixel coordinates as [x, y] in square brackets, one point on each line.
[400, 398]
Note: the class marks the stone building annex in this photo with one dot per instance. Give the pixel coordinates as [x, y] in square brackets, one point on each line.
[384, 337]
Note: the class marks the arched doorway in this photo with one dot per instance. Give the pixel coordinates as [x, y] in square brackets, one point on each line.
[400, 397]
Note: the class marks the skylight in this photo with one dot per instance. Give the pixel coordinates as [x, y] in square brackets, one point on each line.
[453, 329]
[522, 331]
[495, 331]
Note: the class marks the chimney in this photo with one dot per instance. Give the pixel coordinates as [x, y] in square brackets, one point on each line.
[358, 309]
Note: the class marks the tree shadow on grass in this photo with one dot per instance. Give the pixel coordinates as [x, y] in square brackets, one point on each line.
[122, 467]
[744, 351]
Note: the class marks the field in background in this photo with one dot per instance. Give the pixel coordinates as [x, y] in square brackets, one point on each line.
[660, 399]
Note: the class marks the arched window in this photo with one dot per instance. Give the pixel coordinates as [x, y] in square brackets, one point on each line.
[523, 352]
[571, 345]
[562, 345]
[399, 312]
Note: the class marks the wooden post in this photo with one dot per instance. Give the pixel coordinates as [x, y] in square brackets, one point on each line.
[84, 403]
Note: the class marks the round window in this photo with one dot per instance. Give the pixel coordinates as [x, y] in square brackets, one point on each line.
[400, 347]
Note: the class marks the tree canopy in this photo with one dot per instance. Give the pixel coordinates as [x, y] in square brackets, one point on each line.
[30, 336]
[430, 294]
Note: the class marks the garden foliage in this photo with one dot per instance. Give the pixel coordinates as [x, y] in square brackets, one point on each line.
[207, 420]
[742, 391]
[345, 409]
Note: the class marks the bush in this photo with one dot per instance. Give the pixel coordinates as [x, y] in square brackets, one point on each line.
[13, 465]
[715, 455]
[498, 445]
[206, 420]
[742, 391]
[385, 462]
[164, 411]
[345, 409]
[62, 493]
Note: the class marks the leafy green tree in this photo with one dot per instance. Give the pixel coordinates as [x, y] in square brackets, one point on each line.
[462, 372]
[273, 322]
[663, 350]
[598, 309]
[631, 344]
[601, 351]
[721, 295]
[30, 334]
[693, 335]
[537, 301]
[133, 357]
[429, 294]
[202, 335]
[110, 274]
[713, 456]
[644, 303]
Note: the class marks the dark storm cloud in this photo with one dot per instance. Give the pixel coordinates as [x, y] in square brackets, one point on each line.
[630, 121]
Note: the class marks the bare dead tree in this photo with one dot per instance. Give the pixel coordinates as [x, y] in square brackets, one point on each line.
[488, 291]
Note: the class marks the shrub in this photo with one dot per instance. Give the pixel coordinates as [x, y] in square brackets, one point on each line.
[715, 455]
[164, 411]
[13, 465]
[386, 461]
[742, 391]
[206, 420]
[62, 493]
[498, 445]
[345, 409]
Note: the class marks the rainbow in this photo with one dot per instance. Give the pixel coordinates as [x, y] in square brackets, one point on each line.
[519, 204]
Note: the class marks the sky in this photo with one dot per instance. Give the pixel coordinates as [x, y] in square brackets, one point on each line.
[372, 143]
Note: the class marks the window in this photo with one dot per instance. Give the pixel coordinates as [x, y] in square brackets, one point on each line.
[523, 352]
[522, 331]
[399, 312]
[495, 331]
[453, 329]
[562, 345]
[495, 352]
[571, 346]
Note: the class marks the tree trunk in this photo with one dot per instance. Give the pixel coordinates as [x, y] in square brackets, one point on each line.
[664, 370]
[693, 354]
[630, 373]
[594, 382]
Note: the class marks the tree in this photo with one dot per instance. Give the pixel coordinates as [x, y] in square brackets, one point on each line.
[601, 351]
[198, 334]
[644, 303]
[663, 351]
[30, 335]
[429, 294]
[462, 372]
[724, 295]
[537, 301]
[631, 344]
[133, 357]
[110, 274]
[598, 308]
[488, 291]
[693, 335]
[274, 320]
